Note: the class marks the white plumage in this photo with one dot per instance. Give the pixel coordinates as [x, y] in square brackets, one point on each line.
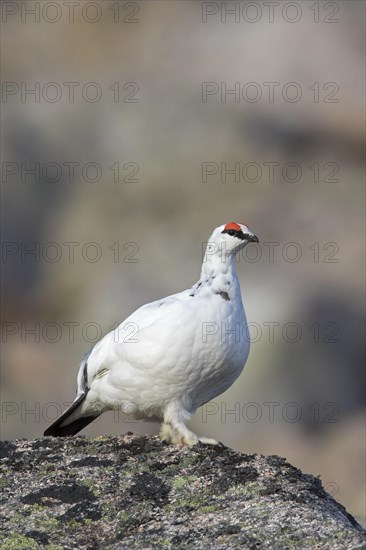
[173, 355]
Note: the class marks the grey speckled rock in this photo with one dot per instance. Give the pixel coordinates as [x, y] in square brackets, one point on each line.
[135, 492]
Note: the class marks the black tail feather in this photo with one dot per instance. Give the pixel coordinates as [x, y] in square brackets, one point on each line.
[75, 426]
[70, 429]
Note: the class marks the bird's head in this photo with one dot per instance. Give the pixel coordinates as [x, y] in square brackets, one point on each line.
[232, 237]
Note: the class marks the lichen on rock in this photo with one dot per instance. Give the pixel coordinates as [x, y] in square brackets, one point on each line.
[136, 492]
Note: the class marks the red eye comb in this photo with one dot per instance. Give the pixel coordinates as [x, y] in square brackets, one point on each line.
[233, 225]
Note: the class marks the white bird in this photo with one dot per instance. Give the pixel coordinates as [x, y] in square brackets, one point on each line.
[173, 355]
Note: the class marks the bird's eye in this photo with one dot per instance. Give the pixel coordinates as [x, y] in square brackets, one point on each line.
[232, 232]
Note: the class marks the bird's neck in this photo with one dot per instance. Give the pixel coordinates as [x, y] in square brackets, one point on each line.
[218, 271]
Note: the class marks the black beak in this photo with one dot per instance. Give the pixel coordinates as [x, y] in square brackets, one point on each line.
[252, 238]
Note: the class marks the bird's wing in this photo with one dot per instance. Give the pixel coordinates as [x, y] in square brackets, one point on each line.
[150, 313]
[147, 337]
[157, 327]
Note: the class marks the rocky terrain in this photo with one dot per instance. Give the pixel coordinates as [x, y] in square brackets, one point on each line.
[135, 492]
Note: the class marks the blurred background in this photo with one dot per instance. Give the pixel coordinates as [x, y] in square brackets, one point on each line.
[132, 129]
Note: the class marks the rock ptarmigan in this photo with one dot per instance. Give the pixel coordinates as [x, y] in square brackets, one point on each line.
[173, 355]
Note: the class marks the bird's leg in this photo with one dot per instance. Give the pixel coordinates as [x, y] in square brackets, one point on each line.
[174, 430]
[178, 434]
[166, 432]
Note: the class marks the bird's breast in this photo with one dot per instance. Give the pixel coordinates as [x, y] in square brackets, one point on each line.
[219, 354]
